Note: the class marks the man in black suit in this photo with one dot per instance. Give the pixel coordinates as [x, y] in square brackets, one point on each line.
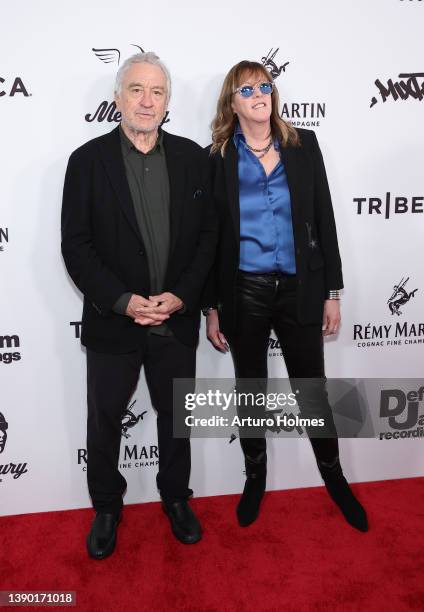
[138, 239]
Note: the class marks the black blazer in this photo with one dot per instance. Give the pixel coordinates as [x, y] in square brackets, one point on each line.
[318, 264]
[103, 249]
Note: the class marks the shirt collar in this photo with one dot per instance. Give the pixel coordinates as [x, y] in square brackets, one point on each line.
[238, 134]
[128, 145]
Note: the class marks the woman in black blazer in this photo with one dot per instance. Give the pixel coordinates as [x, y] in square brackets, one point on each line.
[277, 264]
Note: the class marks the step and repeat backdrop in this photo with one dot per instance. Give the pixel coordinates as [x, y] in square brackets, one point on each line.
[352, 71]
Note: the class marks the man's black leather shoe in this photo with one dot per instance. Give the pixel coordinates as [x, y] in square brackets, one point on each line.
[102, 537]
[184, 524]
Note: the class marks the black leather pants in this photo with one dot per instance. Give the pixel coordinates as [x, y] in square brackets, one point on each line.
[265, 301]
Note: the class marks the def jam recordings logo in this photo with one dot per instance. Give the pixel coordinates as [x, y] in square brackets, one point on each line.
[134, 456]
[9, 469]
[386, 207]
[402, 411]
[4, 237]
[13, 87]
[399, 333]
[409, 85]
[300, 114]
[9, 343]
[106, 110]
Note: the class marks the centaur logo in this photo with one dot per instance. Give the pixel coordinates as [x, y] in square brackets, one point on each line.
[129, 420]
[134, 456]
[400, 297]
[271, 66]
[300, 114]
[396, 403]
[393, 332]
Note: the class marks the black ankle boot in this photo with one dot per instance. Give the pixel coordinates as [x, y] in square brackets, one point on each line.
[340, 492]
[253, 492]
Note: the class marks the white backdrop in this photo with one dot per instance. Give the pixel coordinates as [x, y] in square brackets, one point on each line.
[333, 53]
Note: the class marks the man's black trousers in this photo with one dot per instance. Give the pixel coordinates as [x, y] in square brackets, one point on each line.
[111, 381]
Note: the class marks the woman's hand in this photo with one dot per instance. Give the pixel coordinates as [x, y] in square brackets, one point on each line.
[331, 318]
[212, 331]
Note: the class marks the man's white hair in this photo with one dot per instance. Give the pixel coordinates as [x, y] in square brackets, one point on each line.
[142, 58]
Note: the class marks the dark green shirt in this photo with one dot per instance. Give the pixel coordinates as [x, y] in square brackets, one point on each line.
[147, 176]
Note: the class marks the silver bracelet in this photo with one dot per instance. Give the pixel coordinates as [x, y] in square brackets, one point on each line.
[334, 294]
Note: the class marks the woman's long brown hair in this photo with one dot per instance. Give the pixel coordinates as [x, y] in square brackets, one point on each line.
[225, 120]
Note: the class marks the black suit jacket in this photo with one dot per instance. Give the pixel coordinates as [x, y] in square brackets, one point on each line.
[103, 249]
[318, 264]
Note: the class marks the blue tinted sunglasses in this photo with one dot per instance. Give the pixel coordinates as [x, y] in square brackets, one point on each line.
[247, 90]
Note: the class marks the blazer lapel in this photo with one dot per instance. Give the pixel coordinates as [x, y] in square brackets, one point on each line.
[113, 161]
[294, 165]
[176, 175]
[231, 177]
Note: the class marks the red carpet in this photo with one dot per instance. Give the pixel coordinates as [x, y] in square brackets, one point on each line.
[300, 555]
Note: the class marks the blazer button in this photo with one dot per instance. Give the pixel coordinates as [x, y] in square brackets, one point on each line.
[141, 252]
